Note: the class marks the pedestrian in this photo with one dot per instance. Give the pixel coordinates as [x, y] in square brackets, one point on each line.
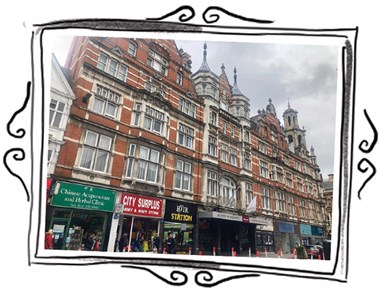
[89, 242]
[49, 239]
[123, 242]
[170, 244]
[156, 243]
[96, 244]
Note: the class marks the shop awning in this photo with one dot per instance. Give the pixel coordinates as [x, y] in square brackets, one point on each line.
[231, 217]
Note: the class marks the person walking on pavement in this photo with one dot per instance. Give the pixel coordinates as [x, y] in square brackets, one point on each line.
[170, 244]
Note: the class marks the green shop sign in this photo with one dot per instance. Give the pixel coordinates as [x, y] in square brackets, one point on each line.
[83, 197]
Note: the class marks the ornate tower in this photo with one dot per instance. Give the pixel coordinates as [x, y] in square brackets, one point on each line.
[295, 135]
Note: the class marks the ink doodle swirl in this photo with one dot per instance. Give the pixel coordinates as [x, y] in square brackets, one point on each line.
[365, 147]
[20, 130]
[177, 278]
[17, 157]
[183, 17]
[20, 133]
[213, 17]
[205, 278]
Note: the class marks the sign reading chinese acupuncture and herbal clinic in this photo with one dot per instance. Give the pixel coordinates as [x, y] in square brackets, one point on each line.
[83, 197]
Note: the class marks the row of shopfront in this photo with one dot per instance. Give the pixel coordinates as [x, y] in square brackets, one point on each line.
[82, 216]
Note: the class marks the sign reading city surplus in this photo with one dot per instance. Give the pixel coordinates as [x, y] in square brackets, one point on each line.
[141, 206]
[180, 212]
[83, 197]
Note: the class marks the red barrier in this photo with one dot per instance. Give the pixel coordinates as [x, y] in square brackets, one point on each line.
[213, 251]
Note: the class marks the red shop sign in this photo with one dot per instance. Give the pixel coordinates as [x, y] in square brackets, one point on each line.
[245, 219]
[141, 206]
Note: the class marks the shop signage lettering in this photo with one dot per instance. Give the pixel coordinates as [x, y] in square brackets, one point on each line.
[180, 212]
[83, 197]
[141, 206]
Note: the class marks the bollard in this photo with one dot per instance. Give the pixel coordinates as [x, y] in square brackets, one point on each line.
[295, 253]
[266, 253]
[249, 252]
[257, 253]
[279, 254]
[164, 251]
[232, 251]
[189, 250]
[200, 253]
[234, 254]
[319, 256]
[213, 251]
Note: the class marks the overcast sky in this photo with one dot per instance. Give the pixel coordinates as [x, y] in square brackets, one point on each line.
[303, 75]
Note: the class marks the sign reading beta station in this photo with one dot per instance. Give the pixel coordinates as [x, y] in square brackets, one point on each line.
[141, 206]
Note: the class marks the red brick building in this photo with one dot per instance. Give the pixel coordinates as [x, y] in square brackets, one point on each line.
[151, 147]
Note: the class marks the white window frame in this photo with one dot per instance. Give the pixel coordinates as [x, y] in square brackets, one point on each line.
[265, 198]
[224, 152]
[185, 136]
[183, 175]
[288, 179]
[227, 192]
[212, 146]
[157, 62]
[233, 157]
[93, 152]
[213, 118]
[112, 67]
[152, 119]
[104, 99]
[179, 78]
[56, 113]
[185, 106]
[264, 169]
[302, 208]
[300, 186]
[247, 161]
[132, 48]
[291, 206]
[280, 203]
[278, 173]
[212, 183]
[263, 147]
[145, 168]
[248, 193]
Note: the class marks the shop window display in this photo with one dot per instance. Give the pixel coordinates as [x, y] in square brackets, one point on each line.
[144, 231]
[182, 235]
[78, 230]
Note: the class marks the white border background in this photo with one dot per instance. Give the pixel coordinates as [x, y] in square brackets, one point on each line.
[17, 23]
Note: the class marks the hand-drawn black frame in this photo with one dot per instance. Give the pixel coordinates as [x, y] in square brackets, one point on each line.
[204, 277]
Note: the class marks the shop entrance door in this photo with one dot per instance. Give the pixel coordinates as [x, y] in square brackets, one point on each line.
[59, 226]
